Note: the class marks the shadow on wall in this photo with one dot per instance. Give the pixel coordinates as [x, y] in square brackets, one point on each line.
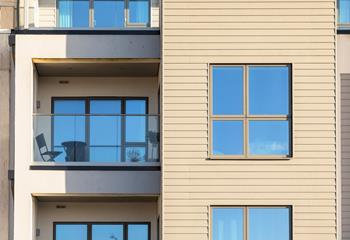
[113, 46]
[113, 182]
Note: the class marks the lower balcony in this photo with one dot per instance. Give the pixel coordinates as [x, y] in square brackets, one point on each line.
[99, 218]
[120, 139]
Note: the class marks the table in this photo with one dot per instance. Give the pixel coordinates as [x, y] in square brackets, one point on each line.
[75, 151]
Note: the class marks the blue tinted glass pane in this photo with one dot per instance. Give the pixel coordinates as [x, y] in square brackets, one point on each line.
[71, 232]
[268, 90]
[138, 232]
[135, 128]
[269, 137]
[227, 90]
[139, 11]
[135, 125]
[62, 156]
[110, 232]
[135, 107]
[69, 132]
[102, 154]
[69, 107]
[344, 11]
[73, 13]
[135, 154]
[227, 137]
[269, 224]
[105, 131]
[105, 107]
[227, 224]
[109, 13]
[70, 128]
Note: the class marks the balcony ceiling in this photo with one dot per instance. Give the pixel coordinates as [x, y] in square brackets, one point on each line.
[116, 69]
[97, 198]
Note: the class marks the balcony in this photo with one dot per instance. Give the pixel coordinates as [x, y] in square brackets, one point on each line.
[89, 14]
[91, 112]
[93, 139]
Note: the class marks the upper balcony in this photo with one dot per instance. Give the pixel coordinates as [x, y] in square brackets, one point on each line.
[104, 137]
[89, 14]
[96, 114]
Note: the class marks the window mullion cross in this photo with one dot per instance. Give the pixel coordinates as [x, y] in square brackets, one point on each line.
[256, 124]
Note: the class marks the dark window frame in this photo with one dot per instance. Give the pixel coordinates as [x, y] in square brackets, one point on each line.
[90, 224]
[87, 100]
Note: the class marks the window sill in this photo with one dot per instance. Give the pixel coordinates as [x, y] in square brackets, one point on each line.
[257, 158]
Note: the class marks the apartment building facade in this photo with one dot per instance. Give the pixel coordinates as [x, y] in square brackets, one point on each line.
[145, 120]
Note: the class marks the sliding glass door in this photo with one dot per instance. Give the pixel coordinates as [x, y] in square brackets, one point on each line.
[69, 128]
[103, 13]
[105, 131]
[135, 131]
[101, 130]
[101, 231]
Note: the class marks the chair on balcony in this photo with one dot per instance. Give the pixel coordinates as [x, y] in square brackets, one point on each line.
[46, 155]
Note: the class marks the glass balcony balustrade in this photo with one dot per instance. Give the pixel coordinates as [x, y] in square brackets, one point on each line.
[114, 138]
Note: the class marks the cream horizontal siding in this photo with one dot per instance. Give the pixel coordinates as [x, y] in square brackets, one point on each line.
[345, 129]
[199, 32]
[47, 13]
[155, 13]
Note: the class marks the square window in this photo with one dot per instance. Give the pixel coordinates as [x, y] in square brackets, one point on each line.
[228, 137]
[251, 111]
[268, 138]
[228, 90]
[268, 90]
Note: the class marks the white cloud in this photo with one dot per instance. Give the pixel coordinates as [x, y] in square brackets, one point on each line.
[271, 147]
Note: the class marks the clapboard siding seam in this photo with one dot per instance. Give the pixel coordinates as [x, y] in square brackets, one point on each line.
[306, 85]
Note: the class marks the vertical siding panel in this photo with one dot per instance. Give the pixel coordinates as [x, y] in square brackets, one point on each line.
[345, 128]
[47, 13]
